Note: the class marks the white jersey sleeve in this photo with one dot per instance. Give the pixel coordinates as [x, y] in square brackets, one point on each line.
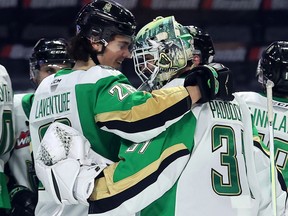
[6, 131]
[20, 162]
[6, 106]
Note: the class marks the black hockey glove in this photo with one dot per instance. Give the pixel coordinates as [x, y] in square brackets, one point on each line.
[226, 85]
[23, 201]
[207, 79]
[214, 80]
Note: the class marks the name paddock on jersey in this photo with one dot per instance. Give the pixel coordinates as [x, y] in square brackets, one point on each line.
[52, 105]
[225, 110]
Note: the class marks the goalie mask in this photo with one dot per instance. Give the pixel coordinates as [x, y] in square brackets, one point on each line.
[273, 65]
[49, 52]
[162, 48]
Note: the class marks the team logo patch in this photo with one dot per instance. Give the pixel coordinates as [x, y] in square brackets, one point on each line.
[23, 140]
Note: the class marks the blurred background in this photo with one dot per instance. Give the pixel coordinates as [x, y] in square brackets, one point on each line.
[240, 30]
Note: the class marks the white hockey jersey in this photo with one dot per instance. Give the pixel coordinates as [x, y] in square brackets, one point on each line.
[102, 105]
[227, 173]
[20, 161]
[258, 105]
[6, 107]
[6, 132]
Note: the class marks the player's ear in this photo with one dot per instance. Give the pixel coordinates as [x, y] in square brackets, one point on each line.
[97, 46]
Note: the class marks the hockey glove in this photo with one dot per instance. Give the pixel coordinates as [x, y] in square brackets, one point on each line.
[66, 165]
[226, 85]
[206, 78]
[23, 201]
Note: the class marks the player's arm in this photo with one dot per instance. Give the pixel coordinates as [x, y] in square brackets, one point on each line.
[262, 166]
[258, 166]
[263, 175]
[139, 116]
[145, 172]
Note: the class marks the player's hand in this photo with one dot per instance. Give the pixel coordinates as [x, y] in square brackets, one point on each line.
[226, 85]
[207, 80]
[23, 201]
[214, 81]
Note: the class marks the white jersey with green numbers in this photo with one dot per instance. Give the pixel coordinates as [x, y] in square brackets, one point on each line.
[6, 132]
[258, 106]
[20, 161]
[6, 107]
[228, 172]
[102, 105]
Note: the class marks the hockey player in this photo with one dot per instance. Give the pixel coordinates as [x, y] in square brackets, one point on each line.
[47, 58]
[231, 177]
[272, 65]
[7, 135]
[204, 51]
[98, 101]
[126, 186]
[228, 172]
[199, 51]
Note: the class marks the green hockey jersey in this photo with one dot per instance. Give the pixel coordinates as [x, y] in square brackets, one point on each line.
[104, 107]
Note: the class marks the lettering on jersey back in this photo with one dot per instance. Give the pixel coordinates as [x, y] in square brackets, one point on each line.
[55, 104]
[261, 119]
[5, 93]
[225, 110]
